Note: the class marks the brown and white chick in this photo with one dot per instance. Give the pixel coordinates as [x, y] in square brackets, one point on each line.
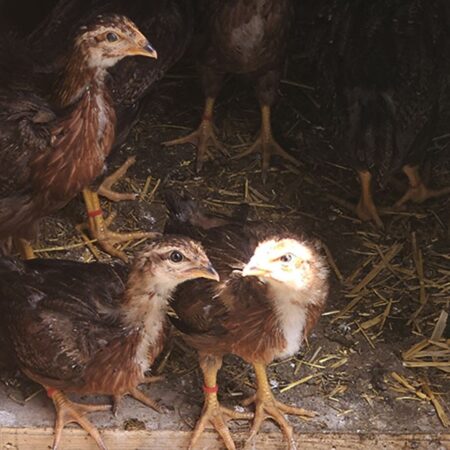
[273, 288]
[93, 329]
[52, 151]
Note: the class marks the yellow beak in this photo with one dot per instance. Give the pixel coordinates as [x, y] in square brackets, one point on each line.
[147, 50]
[207, 272]
[254, 271]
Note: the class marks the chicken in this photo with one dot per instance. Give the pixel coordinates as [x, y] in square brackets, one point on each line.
[50, 152]
[241, 37]
[272, 290]
[167, 24]
[381, 70]
[93, 328]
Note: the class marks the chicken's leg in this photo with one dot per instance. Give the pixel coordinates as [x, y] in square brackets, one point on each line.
[25, 248]
[138, 395]
[366, 209]
[417, 191]
[267, 144]
[105, 189]
[203, 137]
[213, 413]
[98, 227]
[266, 406]
[70, 412]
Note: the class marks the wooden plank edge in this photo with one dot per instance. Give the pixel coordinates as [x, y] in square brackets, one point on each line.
[76, 439]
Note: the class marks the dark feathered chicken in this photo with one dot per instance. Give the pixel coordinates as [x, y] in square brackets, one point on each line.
[273, 287]
[50, 152]
[381, 71]
[241, 37]
[93, 328]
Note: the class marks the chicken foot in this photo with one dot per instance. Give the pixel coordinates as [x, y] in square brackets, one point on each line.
[266, 406]
[213, 413]
[138, 395]
[70, 412]
[366, 209]
[203, 137]
[99, 227]
[418, 191]
[267, 144]
[105, 189]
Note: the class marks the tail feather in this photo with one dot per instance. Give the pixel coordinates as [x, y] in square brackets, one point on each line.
[185, 210]
[180, 206]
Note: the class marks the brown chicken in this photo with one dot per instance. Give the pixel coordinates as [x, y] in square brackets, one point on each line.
[381, 69]
[241, 37]
[168, 24]
[51, 152]
[273, 288]
[93, 328]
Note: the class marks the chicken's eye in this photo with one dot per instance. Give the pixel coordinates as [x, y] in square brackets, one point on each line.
[112, 37]
[176, 256]
[286, 258]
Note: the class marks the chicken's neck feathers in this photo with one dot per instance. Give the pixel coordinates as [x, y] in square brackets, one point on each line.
[144, 312]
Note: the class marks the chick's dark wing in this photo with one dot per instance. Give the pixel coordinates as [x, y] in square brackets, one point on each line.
[58, 314]
[25, 120]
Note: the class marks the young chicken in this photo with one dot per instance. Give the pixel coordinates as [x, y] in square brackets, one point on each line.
[168, 25]
[93, 328]
[241, 37]
[51, 152]
[381, 70]
[273, 288]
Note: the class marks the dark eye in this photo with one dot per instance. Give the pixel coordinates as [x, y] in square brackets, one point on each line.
[176, 256]
[286, 258]
[112, 37]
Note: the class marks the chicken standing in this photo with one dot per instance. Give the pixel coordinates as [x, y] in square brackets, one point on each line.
[50, 153]
[93, 328]
[168, 24]
[241, 37]
[273, 288]
[382, 67]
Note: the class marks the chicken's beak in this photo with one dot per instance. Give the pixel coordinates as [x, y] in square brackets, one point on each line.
[145, 50]
[254, 271]
[207, 271]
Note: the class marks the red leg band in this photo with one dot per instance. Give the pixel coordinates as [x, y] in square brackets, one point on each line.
[51, 392]
[211, 390]
[206, 117]
[96, 213]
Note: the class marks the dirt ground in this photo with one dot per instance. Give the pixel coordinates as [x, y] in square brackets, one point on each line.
[345, 373]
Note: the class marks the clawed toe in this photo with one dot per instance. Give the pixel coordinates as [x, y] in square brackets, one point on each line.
[99, 229]
[70, 412]
[105, 189]
[268, 408]
[217, 416]
[203, 139]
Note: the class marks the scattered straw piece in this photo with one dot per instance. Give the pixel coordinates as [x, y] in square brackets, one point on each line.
[333, 264]
[437, 404]
[301, 381]
[405, 383]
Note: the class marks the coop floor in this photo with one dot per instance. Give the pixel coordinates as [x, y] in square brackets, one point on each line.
[388, 287]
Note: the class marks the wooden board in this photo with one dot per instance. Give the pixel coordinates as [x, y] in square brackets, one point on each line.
[74, 439]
